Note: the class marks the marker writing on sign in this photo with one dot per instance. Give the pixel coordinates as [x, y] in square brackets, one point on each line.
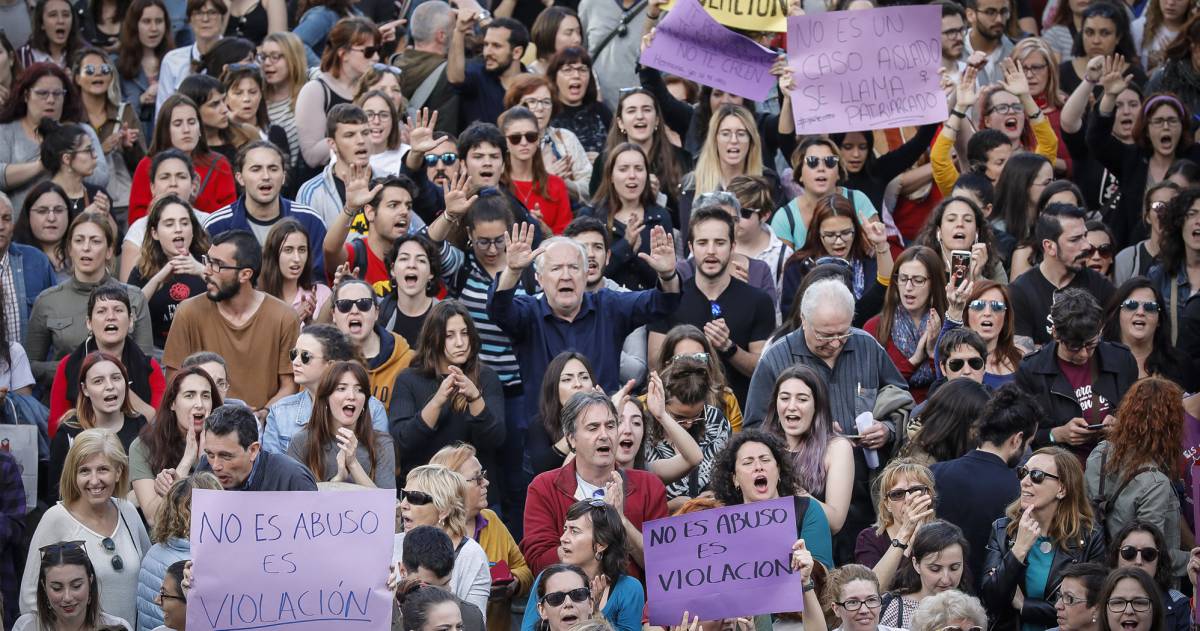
[262, 611]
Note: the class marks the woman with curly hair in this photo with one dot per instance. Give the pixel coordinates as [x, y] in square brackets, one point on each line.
[1130, 472]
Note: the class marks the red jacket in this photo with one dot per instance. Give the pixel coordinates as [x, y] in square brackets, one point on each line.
[900, 360]
[218, 192]
[553, 492]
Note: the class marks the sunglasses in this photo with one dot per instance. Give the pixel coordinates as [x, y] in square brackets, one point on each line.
[530, 137]
[363, 304]
[956, 364]
[1132, 305]
[306, 357]
[368, 51]
[447, 159]
[748, 212]
[1129, 553]
[92, 70]
[111, 546]
[416, 498]
[996, 305]
[579, 595]
[1037, 476]
[899, 494]
[831, 162]
[1104, 250]
[1076, 347]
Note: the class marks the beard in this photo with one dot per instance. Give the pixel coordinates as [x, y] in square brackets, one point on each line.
[224, 292]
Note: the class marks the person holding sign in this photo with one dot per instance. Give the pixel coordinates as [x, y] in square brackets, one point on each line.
[67, 593]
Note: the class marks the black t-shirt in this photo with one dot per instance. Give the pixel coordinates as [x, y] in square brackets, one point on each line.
[166, 300]
[1031, 295]
[748, 313]
[409, 327]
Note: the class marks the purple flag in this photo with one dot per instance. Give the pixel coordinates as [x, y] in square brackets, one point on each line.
[723, 563]
[869, 69]
[689, 43]
[291, 560]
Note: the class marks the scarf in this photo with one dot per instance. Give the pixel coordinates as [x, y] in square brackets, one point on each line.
[905, 335]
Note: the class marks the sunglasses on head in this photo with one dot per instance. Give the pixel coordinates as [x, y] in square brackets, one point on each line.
[899, 494]
[59, 546]
[956, 364]
[447, 159]
[579, 595]
[363, 304]
[1129, 553]
[1037, 476]
[996, 305]
[416, 498]
[529, 136]
[1132, 305]
[831, 162]
[305, 356]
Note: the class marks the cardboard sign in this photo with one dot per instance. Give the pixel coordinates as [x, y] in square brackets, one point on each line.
[723, 563]
[869, 69]
[297, 560]
[748, 15]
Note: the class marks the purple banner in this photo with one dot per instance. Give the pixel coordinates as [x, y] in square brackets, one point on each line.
[723, 563]
[294, 560]
[869, 69]
[689, 43]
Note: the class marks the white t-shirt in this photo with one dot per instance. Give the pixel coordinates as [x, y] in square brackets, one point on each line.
[19, 373]
[30, 622]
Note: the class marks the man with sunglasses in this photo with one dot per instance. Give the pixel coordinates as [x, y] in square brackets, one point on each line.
[1062, 232]
[423, 65]
[1077, 379]
[974, 490]
[251, 329]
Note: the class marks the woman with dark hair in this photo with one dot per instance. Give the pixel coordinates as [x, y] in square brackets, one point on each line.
[145, 40]
[424, 607]
[958, 223]
[570, 70]
[688, 341]
[169, 269]
[983, 307]
[1141, 545]
[1180, 72]
[172, 597]
[569, 372]
[870, 174]
[43, 91]
[1137, 317]
[562, 152]
[43, 224]
[1180, 250]
[1100, 242]
[169, 448]
[178, 126]
[1131, 601]
[287, 271]
[939, 553]
[677, 402]
[911, 319]
[55, 35]
[414, 265]
[222, 135]
[594, 540]
[823, 462]
[205, 19]
[384, 125]
[556, 29]
[1021, 182]
[446, 394]
[245, 87]
[68, 156]
[543, 194]
[339, 443]
[943, 425]
[350, 50]
[564, 598]
[1138, 258]
[10, 67]
[817, 170]
[638, 120]
[1102, 29]
[170, 174]
[68, 592]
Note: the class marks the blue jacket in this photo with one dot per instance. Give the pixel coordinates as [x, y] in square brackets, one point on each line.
[290, 414]
[150, 579]
[233, 217]
[32, 274]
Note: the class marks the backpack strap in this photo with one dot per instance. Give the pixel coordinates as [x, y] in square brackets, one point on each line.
[360, 255]
[423, 91]
[622, 27]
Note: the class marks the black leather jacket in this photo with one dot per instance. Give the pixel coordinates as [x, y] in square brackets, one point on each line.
[1003, 573]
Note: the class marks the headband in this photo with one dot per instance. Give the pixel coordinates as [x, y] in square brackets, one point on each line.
[1161, 98]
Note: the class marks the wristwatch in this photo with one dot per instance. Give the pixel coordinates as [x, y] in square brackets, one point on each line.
[896, 543]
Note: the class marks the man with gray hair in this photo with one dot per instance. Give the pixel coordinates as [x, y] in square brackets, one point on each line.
[423, 66]
[566, 317]
[861, 378]
[24, 272]
[589, 421]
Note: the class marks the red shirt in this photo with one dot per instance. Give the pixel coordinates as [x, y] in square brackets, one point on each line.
[219, 191]
[59, 405]
[555, 207]
[376, 272]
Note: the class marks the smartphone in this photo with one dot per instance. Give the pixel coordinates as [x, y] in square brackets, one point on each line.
[1096, 426]
[121, 113]
[852, 436]
[960, 263]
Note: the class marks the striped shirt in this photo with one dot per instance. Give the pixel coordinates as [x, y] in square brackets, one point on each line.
[281, 113]
[496, 349]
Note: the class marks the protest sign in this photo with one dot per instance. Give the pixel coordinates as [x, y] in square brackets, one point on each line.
[748, 15]
[869, 69]
[723, 563]
[317, 559]
[689, 43]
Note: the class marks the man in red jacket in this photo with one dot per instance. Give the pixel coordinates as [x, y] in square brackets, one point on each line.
[590, 425]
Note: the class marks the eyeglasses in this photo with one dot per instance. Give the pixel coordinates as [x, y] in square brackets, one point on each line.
[897, 495]
[362, 304]
[578, 69]
[213, 265]
[271, 57]
[854, 604]
[556, 599]
[49, 210]
[956, 364]
[92, 70]
[306, 357]
[537, 104]
[995, 13]
[373, 115]
[1037, 476]
[111, 546]
[1129, 553]
[367, 51]
[955, 33]
[915, 281]
[997, 306]
[1121, 605]
[1028, 68]
[1076, 347]
[447, 159]
[162, 595]
[1149, 306]
[488, 244]
[1069, 600]
[831, 339]
[47, 95]
[205, 13]
[416, 498]
[479, 478]
[90, 150]
[1006, 108]
[529, 137]
[841, 235]
[831, 162]
[730, 134]
[1164, 121]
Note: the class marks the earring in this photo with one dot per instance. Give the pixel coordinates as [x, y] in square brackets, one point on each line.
[597, 555]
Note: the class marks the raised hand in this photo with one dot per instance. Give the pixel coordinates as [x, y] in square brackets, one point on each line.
[876, 233]
[633, 232]
[685, 625]
[966, 94]
[932, 331]
[956, 297]
[1112, 75]
[614, 492]
[787, 82]
[647, 39]
[1094, 70]
[342, 271]
[662, 252]
[620, 397]
[1014, 78]
[520, 246]
[457, 202]
[420, 133]
[802, 560]
[656, 400]
[358, 187]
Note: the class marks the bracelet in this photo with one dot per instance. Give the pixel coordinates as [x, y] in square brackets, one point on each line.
[350, 212]
[673, 276]
[477, 397]
[1036, 114]
[729, 352]
[809, 585]
[958, 114]
[884, 281]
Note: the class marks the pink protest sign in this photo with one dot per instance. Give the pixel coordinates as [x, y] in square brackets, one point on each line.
[723, 563]
[295, 560]
[689, 43]
[869, 69]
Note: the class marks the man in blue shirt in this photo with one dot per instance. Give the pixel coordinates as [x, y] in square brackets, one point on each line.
[480, 83]
[566, 316]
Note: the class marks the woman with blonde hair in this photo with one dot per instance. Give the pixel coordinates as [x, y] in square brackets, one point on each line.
[1048, 527]
[491, 533]
[732, 147]
[1040, 64]
[434, 495]
[172, 529]
[281, 56]
[94, 481]
[905, 498]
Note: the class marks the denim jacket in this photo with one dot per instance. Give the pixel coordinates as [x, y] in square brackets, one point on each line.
[32, 274]
[290, 414]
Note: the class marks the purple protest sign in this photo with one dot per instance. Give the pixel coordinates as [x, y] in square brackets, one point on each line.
[869, 69]
[691, 44]
[297, 560]
[723, 563]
